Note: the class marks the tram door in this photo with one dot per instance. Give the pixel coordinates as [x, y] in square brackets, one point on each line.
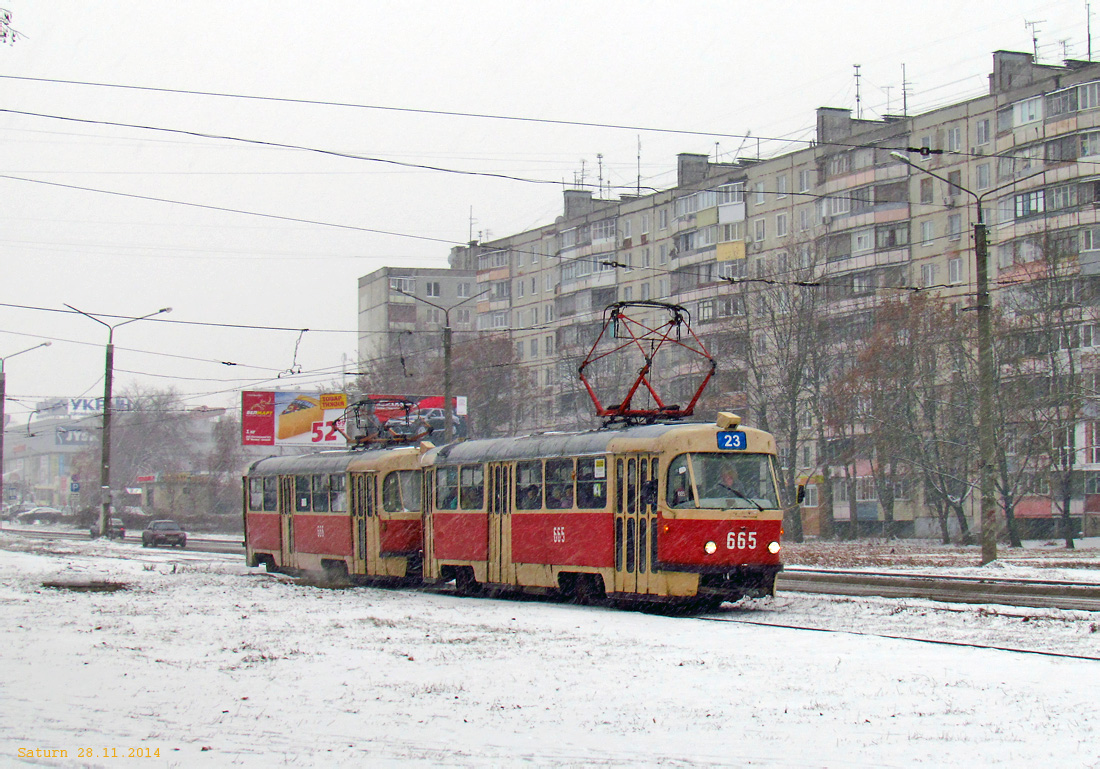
[286, 521]
[364, 519]
[635, 525]
[500, 567]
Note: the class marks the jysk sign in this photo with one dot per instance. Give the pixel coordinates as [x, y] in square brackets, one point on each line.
[732, 440]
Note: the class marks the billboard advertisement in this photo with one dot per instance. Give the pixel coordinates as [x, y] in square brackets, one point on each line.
[298, 418]
[292, 418]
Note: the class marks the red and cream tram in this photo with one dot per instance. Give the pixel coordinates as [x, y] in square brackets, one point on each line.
[635, 513]
[345, 513]
[682, 512]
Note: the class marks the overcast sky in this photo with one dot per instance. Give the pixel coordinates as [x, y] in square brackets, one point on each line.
[79, 226]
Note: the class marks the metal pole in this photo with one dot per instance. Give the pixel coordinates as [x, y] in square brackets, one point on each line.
[105, 439]
[986, 444]
[448, 409]
[105, 446]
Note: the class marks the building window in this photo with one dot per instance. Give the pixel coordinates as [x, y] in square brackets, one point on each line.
[1029, 203]
[732, 231]
[780, 225]
[645, 224]
[662, 254]
[759, 229]
[863, 240]
[662, 219]
[927, 275]
[781, 186]
[432, 288]
[408, 285]
[927, 233]
[954, 139]
[981, 131]
[954, 226]
[804, 181]
[463, 290]
[645, 291]
[926, 191]
[982, 176]
[954, 270]
[534, 345]
[731, 193]
[805, 219]
[759, 197]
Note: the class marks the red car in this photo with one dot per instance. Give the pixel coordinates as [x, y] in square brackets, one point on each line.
[163, 533]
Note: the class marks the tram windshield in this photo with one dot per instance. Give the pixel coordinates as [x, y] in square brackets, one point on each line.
[722, 480]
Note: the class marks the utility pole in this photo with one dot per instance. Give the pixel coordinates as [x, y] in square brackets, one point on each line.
[3, 396]
[448, 407]
[986, 376]
[105, 438]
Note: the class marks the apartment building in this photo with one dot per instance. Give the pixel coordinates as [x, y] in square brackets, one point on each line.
[842, 220]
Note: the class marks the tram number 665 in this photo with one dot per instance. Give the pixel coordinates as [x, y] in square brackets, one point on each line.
[741, 540]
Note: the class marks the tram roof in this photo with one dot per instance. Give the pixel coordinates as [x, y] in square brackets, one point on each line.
[304, 464]
[551, 444]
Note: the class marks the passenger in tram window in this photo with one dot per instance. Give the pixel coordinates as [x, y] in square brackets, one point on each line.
[559, 496]
[530, 497]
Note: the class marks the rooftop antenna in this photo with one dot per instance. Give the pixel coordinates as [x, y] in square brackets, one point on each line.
[582, 173]
[1035, 36]
[1088, 26]
[904, 93]
[639, 190]
[859, 108]
[888, 88]
[472, 222]
[716, 150]
[599, 174]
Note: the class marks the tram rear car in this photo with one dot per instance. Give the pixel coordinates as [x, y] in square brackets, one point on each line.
[352, 514]
[663, 512]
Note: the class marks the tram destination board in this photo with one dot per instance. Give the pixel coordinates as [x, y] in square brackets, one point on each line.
[732, 440]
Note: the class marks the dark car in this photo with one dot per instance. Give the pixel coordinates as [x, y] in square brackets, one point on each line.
[163, 533]
[116, 529]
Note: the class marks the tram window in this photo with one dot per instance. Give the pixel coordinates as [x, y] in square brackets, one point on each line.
[592, 483]
[401, 492]
[255, 493]
[338, 494]
[446, 488]
[320, 493]
[679, 482]
[302, 495]
[559, 484]
[529, 485]
[271, 494]
[472, 487]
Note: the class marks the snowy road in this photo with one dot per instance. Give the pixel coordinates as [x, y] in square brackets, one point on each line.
[212, 664]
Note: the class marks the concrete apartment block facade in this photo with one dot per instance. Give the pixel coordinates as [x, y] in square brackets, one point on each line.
[843, 211]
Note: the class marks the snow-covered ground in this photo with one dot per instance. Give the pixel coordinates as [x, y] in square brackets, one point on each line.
[210, 663]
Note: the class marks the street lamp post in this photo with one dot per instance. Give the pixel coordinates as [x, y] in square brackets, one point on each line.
[448, 417]
[105, 438]
[3, 395]
[986, 439]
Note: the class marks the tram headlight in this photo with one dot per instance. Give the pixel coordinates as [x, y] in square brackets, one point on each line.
[711, 548]
[773, 547]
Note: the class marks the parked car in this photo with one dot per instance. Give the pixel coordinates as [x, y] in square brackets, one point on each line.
[163, 533]
[116, 529]
[41, 515]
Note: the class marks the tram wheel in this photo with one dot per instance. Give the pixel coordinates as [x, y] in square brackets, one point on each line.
[465, 583]
[588, 589]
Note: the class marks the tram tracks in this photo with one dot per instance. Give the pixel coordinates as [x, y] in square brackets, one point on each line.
[915, 639]
[1034, 593]
[1031, 593]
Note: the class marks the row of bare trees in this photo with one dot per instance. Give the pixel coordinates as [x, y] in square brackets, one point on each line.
[886, 379]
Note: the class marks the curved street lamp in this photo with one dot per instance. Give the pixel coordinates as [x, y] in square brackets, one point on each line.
[3, 395]
[105, 438]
